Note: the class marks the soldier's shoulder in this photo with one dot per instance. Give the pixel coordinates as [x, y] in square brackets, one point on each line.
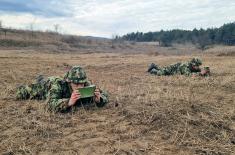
[56, 80]
[88, 83]
[184, 64]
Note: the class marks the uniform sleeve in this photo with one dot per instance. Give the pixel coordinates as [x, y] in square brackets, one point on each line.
[55, 101]
[88, 83]
[184, 70]
[103, 100]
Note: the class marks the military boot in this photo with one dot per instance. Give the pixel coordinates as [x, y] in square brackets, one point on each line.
[152, 66]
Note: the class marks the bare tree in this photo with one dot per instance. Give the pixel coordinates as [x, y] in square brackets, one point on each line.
[3, 29]
[5, 32]
[31, 27]
[56, 27]
[0, 27]
[113, 40]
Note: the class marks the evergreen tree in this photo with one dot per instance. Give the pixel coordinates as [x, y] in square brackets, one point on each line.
[223, 35]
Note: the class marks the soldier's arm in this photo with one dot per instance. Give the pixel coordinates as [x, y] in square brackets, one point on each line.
[200, 72]
[55, 101]
[184, 70]
[103, 99]
[205, 71]
[88, 83]
[194, 74]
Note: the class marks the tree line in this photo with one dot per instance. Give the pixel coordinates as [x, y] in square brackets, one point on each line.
[200, 37]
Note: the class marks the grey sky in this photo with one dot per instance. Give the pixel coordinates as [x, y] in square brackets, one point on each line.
[107, 17]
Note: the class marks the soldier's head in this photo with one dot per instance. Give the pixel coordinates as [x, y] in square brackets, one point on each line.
[195, 63]
[76, 77]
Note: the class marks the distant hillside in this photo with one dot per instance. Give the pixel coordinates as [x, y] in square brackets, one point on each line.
[51, 42]
[202, 38]
[20, 39]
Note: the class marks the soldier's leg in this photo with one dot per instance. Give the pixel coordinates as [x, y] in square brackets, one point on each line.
[23, 92]
[38, 91]
[172, 69]
[158, 72]
[169, 70]
[38, 88]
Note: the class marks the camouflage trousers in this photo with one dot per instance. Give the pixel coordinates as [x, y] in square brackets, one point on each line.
[168, 70]
[37, 90]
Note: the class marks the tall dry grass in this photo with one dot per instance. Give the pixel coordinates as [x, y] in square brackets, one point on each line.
[146, 114]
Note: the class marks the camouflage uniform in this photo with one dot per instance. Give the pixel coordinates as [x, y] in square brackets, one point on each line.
[178, 68]
[57, 91]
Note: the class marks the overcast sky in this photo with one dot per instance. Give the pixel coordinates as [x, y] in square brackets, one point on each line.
[105, 18]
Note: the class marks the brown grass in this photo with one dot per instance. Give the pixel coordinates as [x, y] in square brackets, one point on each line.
[146, 114]
[227, 54]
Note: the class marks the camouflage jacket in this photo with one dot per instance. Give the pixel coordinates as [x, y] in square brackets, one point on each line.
[57, 92]
[178, 68]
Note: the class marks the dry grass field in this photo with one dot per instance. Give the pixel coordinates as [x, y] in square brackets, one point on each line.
[146, 114]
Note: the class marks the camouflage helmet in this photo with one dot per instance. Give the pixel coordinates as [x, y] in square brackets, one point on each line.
[76, 75]
[196, 62]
